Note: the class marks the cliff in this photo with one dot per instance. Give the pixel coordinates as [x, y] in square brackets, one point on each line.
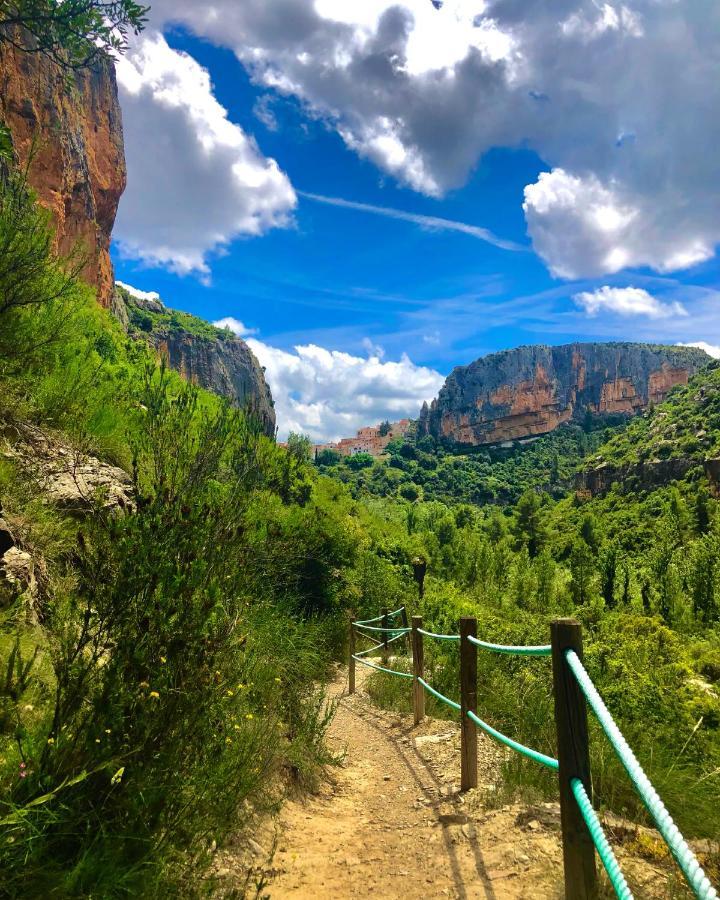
[678, 440]
[210, 357]
[78, 171]
[532, 390]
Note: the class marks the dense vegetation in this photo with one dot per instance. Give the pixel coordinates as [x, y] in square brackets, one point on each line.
[161, 679]
[143, 318]
[427, 470]
[164, 669]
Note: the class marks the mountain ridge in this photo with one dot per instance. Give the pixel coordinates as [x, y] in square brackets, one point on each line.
[532, 389]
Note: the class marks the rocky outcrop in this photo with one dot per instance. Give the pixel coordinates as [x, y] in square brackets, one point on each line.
[72, 123]
[532, 390]
[643, 476]
[65, 476]
[212, 358]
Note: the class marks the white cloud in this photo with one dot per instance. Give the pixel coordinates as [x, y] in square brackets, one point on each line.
[423, 92]
[431, 223]
[136, 292]
[195, 179]
[711, 349]
[329, 394]
[235, 325]
[627, 301]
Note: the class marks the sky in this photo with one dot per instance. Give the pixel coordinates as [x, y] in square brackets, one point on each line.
[374, 192]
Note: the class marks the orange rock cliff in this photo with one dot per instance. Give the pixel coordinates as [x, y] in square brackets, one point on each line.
[530, 391]
[78, 170]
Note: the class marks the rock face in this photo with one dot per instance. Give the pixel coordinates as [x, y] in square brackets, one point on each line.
[212, 358]
[532, 390]
[78, 171]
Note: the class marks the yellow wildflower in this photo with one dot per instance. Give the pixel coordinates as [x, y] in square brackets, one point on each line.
[163, 660]
[249, 716]
[144, 685]
[51, 740]
[154, 695]
[108, 731]
[230, 693]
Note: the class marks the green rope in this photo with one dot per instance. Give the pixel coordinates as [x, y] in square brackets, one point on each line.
[378, 618]
[617, 879]
[540, 650]
[377, 646]
[450, 703]
[370, 665]
[440, 637]
[684, 856]
[509, 742]
[395, 631]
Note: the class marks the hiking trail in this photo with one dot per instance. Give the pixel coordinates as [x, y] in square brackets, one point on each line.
[390, 821]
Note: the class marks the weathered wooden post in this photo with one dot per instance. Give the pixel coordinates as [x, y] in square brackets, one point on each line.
[385, 623]
[574, 759]
[403, 616]
[351, 657]
[418, 670]
[468, 701]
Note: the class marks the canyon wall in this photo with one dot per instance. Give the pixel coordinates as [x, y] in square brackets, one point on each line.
[532, 390]
[72, 124]
[210, 357]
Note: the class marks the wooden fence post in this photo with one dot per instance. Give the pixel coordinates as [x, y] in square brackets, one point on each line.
[351, 660]
[418, 670]
[385, 624]
[574, 759]
[468, 701]
[403, 616]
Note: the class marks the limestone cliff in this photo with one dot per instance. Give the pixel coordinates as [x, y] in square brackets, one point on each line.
[213, 358]
[78, 171]
[531, 390]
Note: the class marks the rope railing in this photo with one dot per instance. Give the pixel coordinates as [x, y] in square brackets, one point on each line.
[677, 844]
[440, 637]
[389, 615]
[582, 832]
[607, 857]
[364, 662]
[538, 650]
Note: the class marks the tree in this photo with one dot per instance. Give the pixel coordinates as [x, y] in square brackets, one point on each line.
[328, 457]
[299, 446]
[590, 533]
[73, 33]
[384, 428]
[529, 522]
[582, 569]
[608, 566]
[702, 511]
[359, 461]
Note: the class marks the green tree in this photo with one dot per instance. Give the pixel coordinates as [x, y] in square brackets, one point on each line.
[359, 461]
[590, 532]
[702, 510]
[299, 446]
[328, 457]
[530, 523]
[73, 33]
[608, 566]
[384, 428]
[582, 570]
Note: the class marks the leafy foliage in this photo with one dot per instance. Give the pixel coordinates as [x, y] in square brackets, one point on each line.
[73, 33]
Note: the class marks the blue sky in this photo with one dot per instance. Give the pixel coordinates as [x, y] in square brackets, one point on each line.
[363, 284]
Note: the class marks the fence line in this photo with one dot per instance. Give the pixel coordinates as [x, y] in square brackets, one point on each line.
[582, 832]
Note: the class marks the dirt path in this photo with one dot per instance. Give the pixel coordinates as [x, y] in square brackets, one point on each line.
[392, 823]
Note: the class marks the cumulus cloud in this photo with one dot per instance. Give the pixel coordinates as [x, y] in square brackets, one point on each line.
[627, 301]
[329, 394]
[137, 293]
[195, 179]
[711, 349]
[235, 325]
[627, 124]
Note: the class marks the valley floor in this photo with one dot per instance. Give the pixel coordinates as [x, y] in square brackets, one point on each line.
[391, 823]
